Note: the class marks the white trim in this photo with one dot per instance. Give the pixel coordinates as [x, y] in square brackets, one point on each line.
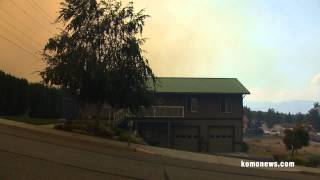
[155, 114]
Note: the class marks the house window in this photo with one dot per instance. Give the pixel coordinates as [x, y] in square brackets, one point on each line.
[194, 105]
[226, 105]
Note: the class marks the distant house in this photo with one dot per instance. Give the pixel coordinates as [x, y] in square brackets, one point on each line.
[195, 114]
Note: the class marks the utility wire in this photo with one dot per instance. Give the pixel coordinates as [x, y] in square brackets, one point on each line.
[26, 13]
[18, 46]
[36, 8]
[16, 19]
[41, 9]
[22, 32]
[18, 37]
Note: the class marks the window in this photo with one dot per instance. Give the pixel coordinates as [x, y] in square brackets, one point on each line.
[194, 105]
[226, 105]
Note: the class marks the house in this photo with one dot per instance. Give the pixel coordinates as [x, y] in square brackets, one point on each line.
[195, 114]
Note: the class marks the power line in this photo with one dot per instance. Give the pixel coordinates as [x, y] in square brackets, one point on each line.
[20, 31]
[41, 9]
[20, 22]
[18, 46]
[26, 13]
[17, 37]
[36, 8]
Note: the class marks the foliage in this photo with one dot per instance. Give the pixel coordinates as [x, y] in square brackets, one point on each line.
[45, 102]
[19, 98]
[313, 116]
[313, 160]
[279, 157]
[125, 136]
[13, 95]
[310, 160]
[102, 130]
[98, 55]
[271, 117]
[30, 120]
[295, 139]
[244, 147]
[298, 160]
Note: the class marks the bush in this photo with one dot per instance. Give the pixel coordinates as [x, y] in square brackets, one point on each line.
[106, 131]
[280, 157]
[313, 161]
[244, 147]
[45, 102]
[13, 95]
[297, 160]
[125, 136]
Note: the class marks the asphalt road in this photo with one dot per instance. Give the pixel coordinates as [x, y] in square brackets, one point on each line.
[26, 154]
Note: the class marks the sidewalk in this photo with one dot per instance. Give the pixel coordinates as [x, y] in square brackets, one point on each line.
[150, 149]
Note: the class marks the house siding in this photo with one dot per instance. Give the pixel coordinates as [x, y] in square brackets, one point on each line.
[208, 115]
[208, 107]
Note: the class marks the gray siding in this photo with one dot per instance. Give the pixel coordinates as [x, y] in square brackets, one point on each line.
[208, 107]
[208, 115]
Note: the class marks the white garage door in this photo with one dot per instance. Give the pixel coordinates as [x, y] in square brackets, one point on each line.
[220, 139]
[186, 138]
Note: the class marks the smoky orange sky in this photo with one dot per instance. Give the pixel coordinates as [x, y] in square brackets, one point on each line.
[170, 48]
[271, 46]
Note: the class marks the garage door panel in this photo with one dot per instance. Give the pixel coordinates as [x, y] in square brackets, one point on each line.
[186, 138]
[220, 139]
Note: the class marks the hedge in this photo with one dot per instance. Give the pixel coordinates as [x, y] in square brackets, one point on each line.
[18, 97]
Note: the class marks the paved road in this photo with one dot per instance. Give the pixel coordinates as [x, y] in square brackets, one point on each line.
[26, 154]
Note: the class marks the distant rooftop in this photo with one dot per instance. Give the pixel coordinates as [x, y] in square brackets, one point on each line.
[200, 85]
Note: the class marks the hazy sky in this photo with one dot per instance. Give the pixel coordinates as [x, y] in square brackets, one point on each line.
[271, 46]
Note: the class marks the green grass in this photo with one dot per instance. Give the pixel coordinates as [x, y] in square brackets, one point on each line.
[35, 121]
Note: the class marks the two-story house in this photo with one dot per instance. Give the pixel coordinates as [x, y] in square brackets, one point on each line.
[195, 114]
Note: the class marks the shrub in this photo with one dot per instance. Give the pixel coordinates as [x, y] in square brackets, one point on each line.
[106, 131]
[297, 160]
[313, 161]
[125, 136]
[45, 102]
[13, 95]
[244, 147]
[279, 157]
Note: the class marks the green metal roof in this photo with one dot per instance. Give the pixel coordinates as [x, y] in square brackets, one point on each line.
[200, 85]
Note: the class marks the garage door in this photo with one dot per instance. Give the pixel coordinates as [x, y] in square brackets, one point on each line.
[220, 139]
[186, 138]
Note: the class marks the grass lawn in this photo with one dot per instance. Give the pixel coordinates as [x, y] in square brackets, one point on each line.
[35, 121]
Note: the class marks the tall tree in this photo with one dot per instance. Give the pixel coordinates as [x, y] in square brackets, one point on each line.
[98, 54]
[313, 116]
